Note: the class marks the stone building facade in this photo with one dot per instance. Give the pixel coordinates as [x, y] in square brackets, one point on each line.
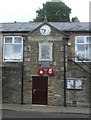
[47, 71]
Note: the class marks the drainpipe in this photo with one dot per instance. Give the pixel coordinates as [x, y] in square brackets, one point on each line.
[22, 83]
[64, 56]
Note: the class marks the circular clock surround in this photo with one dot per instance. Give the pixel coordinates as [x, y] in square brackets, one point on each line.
[45, 30]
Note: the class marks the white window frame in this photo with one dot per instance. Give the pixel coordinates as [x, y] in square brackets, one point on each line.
[43, 44]
[74, 83]
[85, 43]
[13, 43]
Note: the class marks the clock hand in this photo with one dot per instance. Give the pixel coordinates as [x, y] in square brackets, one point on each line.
[44, 30]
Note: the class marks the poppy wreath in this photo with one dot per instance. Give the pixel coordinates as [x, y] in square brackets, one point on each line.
[41, 71]
[50, 71]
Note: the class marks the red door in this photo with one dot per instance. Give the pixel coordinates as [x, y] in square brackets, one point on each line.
[39, 90]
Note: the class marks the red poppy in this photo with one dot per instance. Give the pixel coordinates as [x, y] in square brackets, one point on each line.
[50, 71]
[41, 71]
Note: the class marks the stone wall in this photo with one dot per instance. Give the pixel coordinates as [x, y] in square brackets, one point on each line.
[11, 84]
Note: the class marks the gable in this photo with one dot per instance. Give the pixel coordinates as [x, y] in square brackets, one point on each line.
[46, 30]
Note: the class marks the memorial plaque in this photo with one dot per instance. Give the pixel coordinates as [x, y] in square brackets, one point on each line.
[45, 52]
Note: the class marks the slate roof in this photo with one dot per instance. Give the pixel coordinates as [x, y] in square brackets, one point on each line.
[30, 26]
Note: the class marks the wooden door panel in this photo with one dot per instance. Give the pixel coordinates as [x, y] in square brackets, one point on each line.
[39, 90]
[39, 97]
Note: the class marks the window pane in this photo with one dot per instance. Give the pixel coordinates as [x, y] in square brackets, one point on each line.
[81, 56]
[88, 39]
[17, 48]
[8, 52]
[88, 53]
[80, 48]
[87, 47]
[17, 51]
[80, 39]
[8, 39]
[12, 52]
[18, 40]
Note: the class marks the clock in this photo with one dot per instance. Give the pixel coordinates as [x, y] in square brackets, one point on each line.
[45, 30]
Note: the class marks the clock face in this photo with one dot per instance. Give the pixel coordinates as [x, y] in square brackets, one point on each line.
[45, 30]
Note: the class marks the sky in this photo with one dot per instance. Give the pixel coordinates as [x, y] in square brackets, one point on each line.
[25, 10]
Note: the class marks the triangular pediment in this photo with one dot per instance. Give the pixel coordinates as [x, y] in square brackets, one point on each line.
[46, 29]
